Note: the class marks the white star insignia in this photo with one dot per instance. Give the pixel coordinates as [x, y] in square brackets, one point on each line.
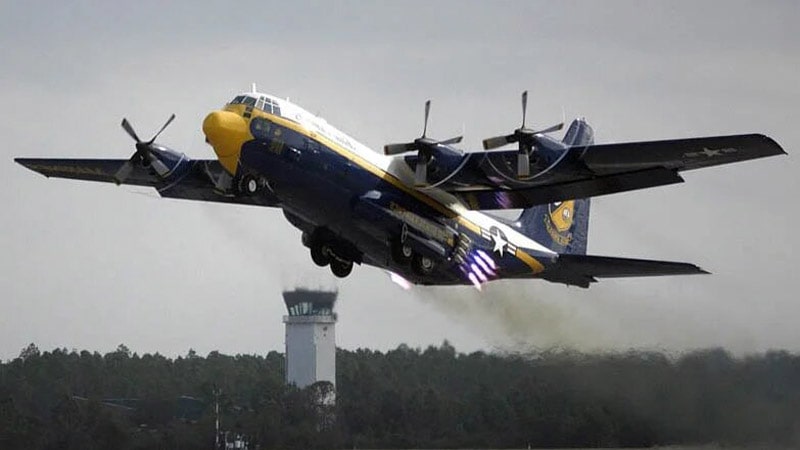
[499, 242]
[708, 152]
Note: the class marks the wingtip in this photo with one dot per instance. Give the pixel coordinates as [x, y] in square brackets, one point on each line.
[24, 162]
[775, 144]
[30, 164]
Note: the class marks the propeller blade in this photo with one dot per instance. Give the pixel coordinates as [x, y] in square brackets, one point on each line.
[555, 127]
[396, 149]
[427, 112]
[523, 165]
[452, 140]
[124, 172]
[524, 107]
[129, 129]
[163, 127]
[161, 169]
[498, 141]
[421, 173]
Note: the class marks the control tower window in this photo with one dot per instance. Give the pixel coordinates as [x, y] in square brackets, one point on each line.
[310, 309]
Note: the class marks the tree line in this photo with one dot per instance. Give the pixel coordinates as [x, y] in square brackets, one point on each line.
[403, 398]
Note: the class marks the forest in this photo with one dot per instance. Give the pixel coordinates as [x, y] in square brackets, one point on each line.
[402, 398]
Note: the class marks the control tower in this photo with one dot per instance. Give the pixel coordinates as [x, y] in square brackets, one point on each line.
[310, 337]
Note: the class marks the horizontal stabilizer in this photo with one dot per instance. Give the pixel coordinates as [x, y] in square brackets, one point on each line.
[581, 270]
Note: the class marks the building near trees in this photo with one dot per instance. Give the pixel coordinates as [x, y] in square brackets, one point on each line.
[310, 338]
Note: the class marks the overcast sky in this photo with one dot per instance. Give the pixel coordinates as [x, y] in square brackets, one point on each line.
[90, 266]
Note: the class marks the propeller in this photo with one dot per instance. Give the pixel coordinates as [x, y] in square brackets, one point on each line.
[526, 137]
[143, 154]
[425, 148]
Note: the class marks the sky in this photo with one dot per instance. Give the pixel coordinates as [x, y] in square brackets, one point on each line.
[90, 266]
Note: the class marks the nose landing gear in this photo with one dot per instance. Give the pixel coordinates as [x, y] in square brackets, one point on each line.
[248, 185]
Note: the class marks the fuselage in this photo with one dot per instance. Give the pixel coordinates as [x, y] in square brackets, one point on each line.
[361, 201]
[419, 216]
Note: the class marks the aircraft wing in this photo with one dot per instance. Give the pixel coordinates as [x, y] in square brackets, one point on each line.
[581, 270]
[679, 154]
[188, 179]
[488, 180]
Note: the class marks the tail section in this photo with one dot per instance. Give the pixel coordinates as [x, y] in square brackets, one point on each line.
[564, 226]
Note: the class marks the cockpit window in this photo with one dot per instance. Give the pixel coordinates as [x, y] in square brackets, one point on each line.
[244, 100]
[263, 103]
[268, 105]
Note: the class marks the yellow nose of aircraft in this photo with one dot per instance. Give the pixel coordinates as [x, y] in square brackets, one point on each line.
[226, 131]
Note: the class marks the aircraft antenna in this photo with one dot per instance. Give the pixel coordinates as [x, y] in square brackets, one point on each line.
[253, 86]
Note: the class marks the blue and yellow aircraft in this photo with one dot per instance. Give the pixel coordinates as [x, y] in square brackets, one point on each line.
[418, 216]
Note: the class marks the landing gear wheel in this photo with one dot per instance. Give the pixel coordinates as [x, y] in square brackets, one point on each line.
[341, 268]
[422, 265]
[320, 254]
[248, 185]
[402, 253]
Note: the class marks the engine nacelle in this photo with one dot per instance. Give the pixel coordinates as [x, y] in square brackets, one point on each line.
[443, 164]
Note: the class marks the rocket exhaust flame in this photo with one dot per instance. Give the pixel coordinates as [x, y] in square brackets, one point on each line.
[474, 281]
[400, 281]
[485, 267]
[479, 268]
[487, 258]
[477, 271]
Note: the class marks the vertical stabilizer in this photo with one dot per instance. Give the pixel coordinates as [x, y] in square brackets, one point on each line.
[563, 226]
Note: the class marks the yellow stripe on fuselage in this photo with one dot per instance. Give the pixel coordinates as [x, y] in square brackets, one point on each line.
[367, 165]
[532, 262]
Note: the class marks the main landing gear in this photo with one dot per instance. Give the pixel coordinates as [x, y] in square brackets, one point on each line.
[326, 251]
[341, 268]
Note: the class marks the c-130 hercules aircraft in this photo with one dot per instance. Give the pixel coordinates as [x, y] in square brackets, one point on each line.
[419, 216]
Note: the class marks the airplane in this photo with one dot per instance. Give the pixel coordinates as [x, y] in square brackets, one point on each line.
[417, 210]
